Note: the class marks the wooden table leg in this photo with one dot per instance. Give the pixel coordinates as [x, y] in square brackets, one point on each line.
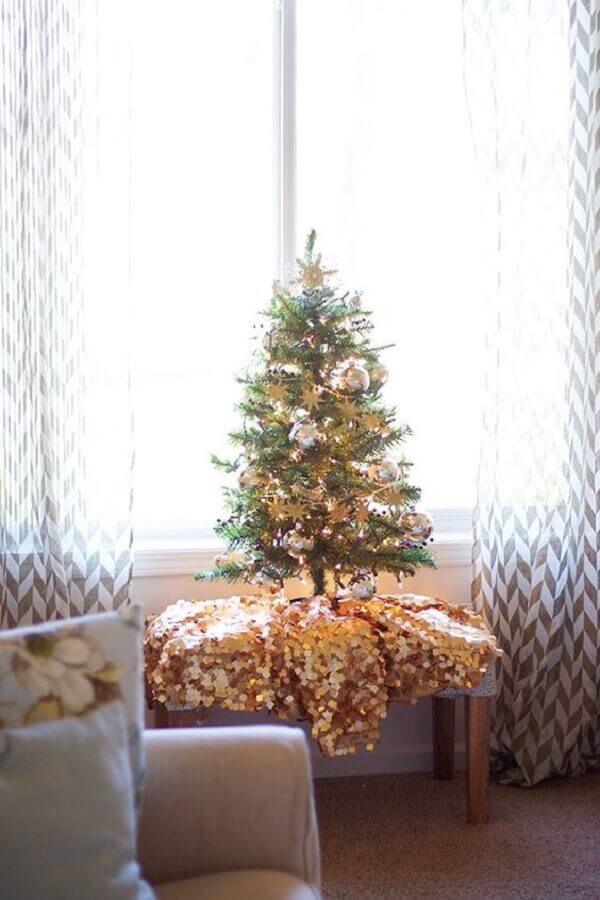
[187, 718]
[477, 723]
[178, 718]
[161, 716]
[443, 738]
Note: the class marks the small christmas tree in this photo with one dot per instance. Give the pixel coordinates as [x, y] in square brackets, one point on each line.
[319, 489]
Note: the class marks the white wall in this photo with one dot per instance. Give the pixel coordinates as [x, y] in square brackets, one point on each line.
[406, 738]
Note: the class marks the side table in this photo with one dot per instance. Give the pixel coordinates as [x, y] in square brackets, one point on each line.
[478, 702]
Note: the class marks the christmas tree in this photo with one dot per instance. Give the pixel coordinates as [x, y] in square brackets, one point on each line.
[320, 488]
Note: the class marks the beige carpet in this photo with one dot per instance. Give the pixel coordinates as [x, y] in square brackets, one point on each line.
[405, 836]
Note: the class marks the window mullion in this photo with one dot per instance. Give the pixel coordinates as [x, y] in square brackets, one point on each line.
[285, 135]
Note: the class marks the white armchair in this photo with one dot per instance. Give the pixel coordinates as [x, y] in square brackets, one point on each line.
[229, 813]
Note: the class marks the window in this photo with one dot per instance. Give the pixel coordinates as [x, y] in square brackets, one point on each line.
[253, 122]
[202, 236]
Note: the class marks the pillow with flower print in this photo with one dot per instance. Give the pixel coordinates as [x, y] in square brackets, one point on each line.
[71, 667]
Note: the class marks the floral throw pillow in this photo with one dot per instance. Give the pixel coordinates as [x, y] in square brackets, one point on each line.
[72, 667]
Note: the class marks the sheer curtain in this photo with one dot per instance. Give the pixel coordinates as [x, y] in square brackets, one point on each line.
[65, 441]
[531, 77]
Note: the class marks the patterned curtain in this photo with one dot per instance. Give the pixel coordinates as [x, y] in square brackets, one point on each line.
[65, 439]
[532, 78]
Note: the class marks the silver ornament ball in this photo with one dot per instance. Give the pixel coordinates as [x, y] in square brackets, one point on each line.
[290, 369]
[270, 341]
[386, 471]
[297, 544]
[261, 579]
[299, 415]
[417, 526]
[354, 378]
[362, 586]
[305, 434]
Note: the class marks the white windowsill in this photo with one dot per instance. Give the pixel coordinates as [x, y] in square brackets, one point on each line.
[154, 559]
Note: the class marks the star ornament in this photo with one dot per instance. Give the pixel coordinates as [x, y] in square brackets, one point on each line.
[362, 514]
[348, 408]
[310, 398]
[337, 511]
[277, 392]
[373, 421]
[312, 275]
[396, 497]
[277, 508]
[295, 510]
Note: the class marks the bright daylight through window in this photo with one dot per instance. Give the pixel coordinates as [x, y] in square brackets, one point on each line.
[382, 155]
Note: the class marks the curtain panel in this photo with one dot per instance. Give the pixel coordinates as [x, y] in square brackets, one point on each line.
[65, 444]
[533, 81]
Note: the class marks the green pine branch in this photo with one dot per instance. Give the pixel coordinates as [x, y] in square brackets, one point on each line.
[312, 332]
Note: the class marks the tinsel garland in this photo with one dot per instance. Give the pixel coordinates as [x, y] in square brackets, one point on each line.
[335, 663]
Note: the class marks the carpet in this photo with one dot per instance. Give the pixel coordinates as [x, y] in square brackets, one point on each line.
[395, 836]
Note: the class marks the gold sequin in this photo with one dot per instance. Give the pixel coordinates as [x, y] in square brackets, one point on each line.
[337, 665]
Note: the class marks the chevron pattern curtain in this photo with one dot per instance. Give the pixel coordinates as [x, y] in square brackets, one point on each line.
[533, 77]
[65, 439]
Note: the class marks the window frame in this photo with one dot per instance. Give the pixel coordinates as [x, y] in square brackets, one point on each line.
[176, 553]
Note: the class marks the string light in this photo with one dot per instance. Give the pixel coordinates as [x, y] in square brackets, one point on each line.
[316, 369]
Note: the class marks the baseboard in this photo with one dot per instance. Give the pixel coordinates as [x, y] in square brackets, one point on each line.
[386, 760]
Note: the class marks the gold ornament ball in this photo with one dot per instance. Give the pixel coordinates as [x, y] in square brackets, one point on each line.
[313, 494]
[386, 471]
[297, 544]
[417, 526]
[354, 378]
[305, 434]
[247, 477]
[379, 375]
[362, 586]
[233, 558]
[238, 557]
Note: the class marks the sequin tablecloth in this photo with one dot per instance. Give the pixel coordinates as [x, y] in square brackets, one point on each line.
[336, 663]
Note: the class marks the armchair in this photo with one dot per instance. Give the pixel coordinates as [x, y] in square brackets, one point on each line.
[229, 813]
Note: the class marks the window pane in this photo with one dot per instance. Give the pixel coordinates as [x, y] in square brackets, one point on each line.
[202, 240]
[386, 176]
